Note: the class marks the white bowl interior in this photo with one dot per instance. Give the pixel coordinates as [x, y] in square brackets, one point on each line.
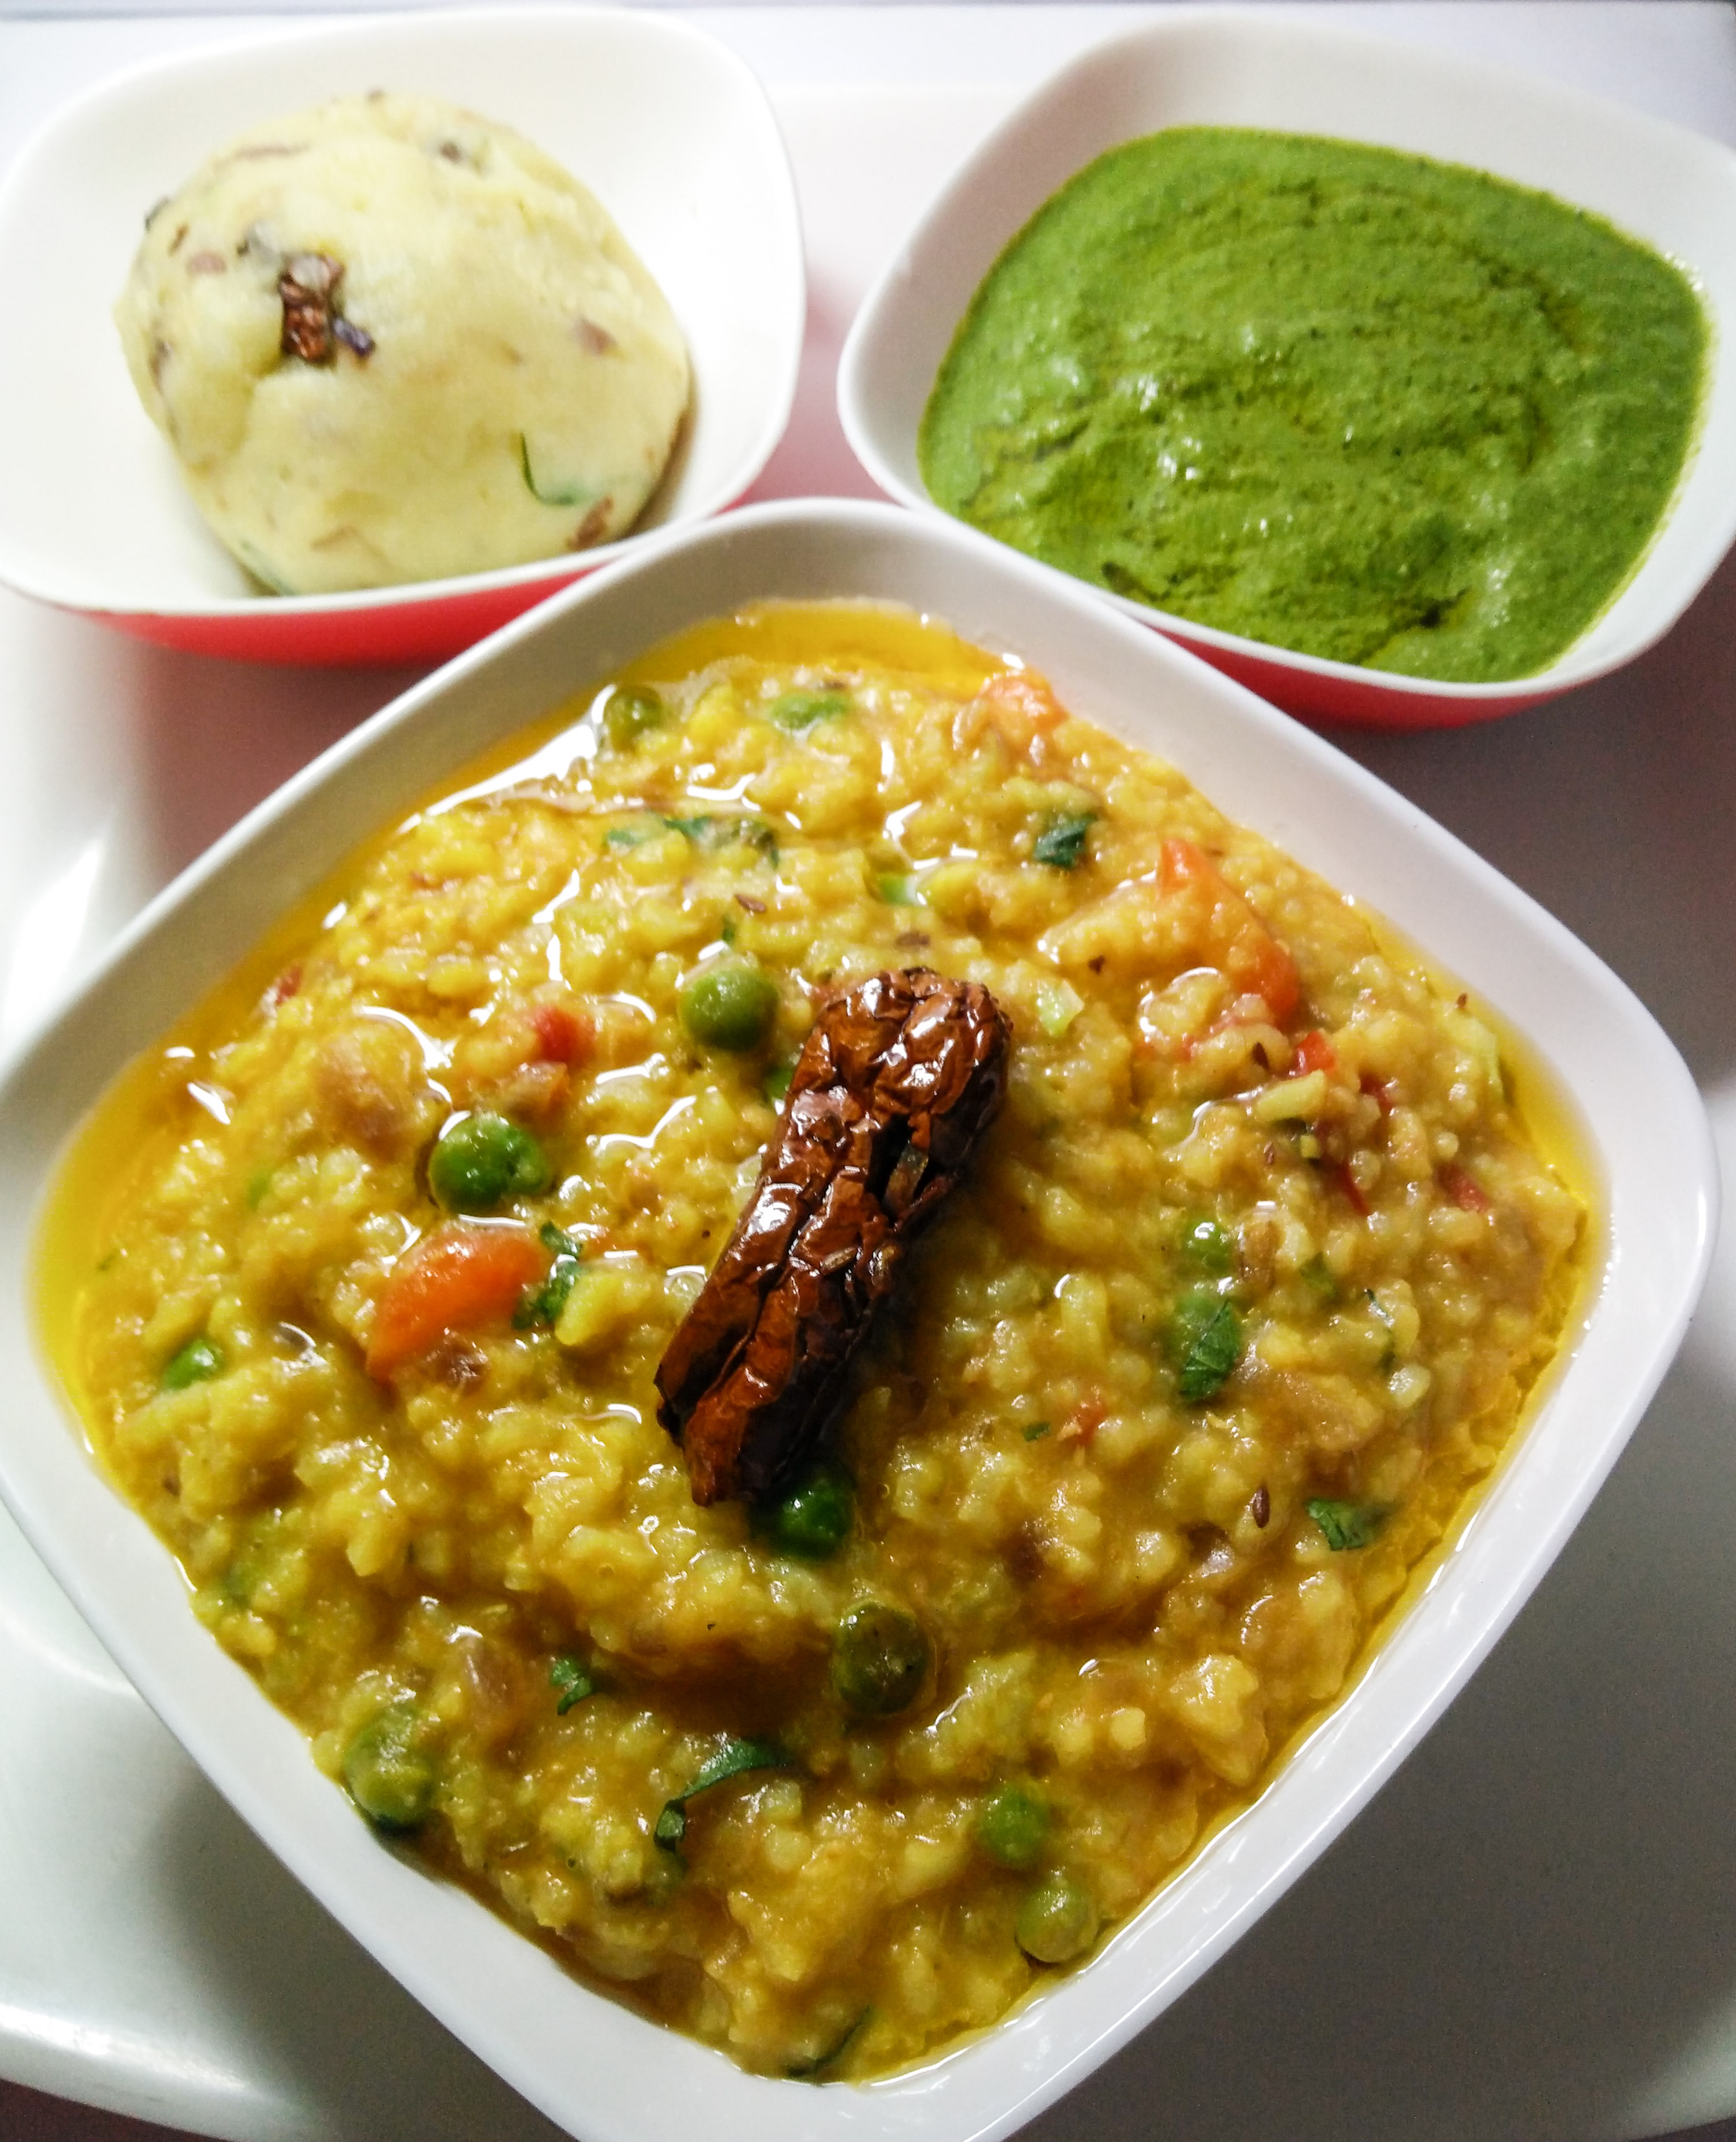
[671, 130]
[1671, 188]
[601, 2071]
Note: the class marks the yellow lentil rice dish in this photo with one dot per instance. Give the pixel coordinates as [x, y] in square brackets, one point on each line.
[1243, 1294]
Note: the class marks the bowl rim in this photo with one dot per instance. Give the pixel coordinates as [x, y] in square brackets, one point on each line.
[255, 51]
[1243, 37]
[607, 2073]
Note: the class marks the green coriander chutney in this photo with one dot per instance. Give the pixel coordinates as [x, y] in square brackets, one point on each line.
[1361, 404]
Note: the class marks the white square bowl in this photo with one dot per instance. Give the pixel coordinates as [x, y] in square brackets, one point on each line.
[601, 2071]
[671, 131]
[1217, 67]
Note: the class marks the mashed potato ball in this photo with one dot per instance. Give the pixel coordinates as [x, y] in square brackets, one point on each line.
[391, 341]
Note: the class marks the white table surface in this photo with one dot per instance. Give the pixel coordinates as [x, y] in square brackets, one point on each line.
[1531, 1935]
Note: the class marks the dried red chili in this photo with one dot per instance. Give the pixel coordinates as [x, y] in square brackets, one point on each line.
[313, 325]
[309, 289]
[900, 1077]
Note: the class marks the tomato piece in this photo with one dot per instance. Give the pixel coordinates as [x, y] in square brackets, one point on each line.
[1314, 1052]
[1019, 705]
[1381, 1091]
[1464, 1189]
[455, 1279]
[519, 1064]
[562, 1036]
[1023, 692]
[1228, 931]
[1084, 1421]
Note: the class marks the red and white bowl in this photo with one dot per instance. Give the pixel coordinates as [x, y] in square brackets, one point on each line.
[1224, 68]
[671, 131]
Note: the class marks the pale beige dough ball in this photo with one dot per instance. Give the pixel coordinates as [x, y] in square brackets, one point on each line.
[391, 341]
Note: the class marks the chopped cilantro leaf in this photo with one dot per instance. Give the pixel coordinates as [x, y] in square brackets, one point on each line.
[797, 711]
[1384, 1317]
[196, 1363]
[1346, 1524]
[1205, 1342]
[542, 1305]
[566, 494]
[731, 1760]
[573, 1681]
[712, 830]
[804, 2071]
[1062, 842]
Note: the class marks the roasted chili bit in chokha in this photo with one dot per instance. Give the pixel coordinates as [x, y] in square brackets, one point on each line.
[901, 1076]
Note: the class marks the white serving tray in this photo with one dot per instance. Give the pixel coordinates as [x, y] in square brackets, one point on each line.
[1526, 1938]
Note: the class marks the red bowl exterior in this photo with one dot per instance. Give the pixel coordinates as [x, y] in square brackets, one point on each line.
[1318, 696]
[401, 629]
[398, 632]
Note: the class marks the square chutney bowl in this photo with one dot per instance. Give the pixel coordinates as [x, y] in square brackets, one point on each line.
[1217, 67]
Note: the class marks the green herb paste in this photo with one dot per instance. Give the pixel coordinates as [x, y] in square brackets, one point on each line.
[1364, 405]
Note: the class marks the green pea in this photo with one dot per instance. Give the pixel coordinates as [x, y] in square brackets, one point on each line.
[628, 711]
[390, 1779]
[813, 1520]
[1012, 1825]
[481, 1159]
[1056, 1921]
[1206, 1245]
[880, 1658]
[196, 1363]
[730, 1007]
